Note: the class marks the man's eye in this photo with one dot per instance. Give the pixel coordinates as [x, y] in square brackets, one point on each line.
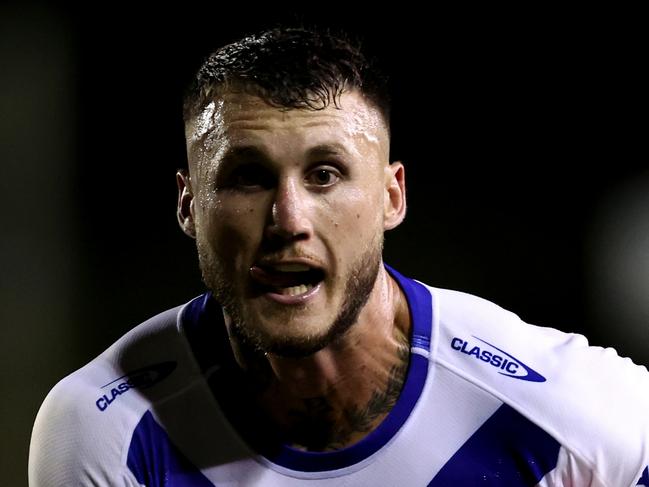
[323, 177]
[250, 176]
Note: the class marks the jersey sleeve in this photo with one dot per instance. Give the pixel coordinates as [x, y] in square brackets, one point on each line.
[599, 411]
[70, 447]
[591, 400]
[619, 415]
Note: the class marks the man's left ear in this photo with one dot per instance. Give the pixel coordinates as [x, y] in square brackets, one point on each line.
[394, 210]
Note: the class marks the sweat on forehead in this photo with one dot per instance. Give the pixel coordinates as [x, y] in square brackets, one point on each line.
[352, 119]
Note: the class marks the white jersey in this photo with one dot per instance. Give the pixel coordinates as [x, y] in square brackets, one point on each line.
[488, 400]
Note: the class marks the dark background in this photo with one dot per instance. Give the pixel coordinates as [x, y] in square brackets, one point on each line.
[523, 134]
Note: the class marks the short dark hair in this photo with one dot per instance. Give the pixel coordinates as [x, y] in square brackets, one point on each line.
[290, 67]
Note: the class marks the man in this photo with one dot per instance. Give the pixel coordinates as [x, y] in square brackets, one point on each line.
[309, 359]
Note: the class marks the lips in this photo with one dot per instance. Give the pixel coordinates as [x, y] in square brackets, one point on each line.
[286, 278]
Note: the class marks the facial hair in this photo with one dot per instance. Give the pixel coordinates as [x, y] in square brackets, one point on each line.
[358, 287]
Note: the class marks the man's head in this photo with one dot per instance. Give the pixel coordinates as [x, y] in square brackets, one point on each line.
[289, 187]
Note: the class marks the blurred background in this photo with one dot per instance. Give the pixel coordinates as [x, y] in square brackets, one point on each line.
[521, 132]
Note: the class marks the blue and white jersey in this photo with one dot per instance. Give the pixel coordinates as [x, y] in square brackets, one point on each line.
[488, 401]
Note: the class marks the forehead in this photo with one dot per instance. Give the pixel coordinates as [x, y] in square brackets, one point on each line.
[237, 119]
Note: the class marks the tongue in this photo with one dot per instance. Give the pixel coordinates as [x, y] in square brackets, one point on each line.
[277, 278]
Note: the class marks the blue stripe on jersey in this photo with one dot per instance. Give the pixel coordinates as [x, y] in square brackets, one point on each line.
[419, 302]
[508, 450]
[420, 305]
[644, 480]
[156, 462]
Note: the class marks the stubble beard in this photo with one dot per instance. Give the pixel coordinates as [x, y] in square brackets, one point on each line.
[358, 288]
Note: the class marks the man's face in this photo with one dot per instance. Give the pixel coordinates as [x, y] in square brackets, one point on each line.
[289, 209]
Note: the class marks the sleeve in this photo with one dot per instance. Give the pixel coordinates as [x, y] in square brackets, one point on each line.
[70, 447]
[612, 428]
[573, 470]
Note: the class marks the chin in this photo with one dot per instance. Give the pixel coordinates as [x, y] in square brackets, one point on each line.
[299, 332]
[291, 336]
[295, 349]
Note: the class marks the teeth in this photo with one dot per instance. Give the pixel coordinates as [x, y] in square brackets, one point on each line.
[296, 290]
[292, 267]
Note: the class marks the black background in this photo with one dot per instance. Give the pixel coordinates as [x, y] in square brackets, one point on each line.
[512, 126]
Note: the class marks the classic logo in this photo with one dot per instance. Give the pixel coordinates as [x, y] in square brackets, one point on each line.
[507, 364]
[136, 379]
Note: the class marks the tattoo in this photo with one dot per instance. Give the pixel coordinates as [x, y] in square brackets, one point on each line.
[381, 402]
[316, 427]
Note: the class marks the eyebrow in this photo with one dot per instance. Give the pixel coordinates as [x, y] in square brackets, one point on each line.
[328, 149]
[243, 152]
[255, 152]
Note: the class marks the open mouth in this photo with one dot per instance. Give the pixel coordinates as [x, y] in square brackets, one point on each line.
[286, 279]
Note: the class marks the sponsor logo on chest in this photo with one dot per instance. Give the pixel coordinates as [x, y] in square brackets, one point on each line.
[137, 379]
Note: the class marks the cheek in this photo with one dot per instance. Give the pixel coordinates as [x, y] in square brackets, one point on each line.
[232, 228]
[359, 212]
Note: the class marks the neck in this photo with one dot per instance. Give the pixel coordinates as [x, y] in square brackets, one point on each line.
[335, 397]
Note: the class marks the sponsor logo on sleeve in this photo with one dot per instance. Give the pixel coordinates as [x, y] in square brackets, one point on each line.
[137, 379]
[505, 363]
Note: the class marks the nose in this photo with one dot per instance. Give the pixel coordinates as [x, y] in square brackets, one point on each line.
[290, 212]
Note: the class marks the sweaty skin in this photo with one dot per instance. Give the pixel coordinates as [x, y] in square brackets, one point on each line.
[270, 186]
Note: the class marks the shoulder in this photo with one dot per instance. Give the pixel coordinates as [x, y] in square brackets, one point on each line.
[84, 425]
[593, 401]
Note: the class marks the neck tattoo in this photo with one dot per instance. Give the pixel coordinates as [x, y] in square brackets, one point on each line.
[317, 426]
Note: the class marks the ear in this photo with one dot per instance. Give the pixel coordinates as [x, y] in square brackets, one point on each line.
[394, 210]
[185, 210]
